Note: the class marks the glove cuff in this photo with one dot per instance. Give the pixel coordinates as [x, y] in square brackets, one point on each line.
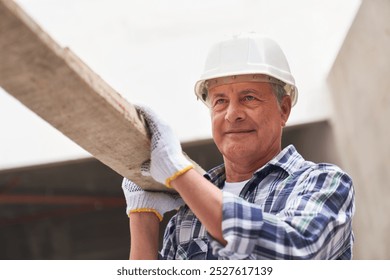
[154, 202]
[146, 210]
[166, 167]
[177, 174]
[143, 202]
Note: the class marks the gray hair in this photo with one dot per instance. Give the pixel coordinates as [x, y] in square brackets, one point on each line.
[279, 91]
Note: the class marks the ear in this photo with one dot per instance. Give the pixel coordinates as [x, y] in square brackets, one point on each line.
[285, 109]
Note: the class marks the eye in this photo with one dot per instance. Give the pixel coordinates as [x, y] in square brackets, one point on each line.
[248, 98]
[219, 101]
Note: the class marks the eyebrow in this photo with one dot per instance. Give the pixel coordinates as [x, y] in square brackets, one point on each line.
[216, 95]
[249, 90]
[242, 92]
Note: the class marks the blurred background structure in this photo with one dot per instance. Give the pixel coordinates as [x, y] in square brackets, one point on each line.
[359, 83]
[57, 202]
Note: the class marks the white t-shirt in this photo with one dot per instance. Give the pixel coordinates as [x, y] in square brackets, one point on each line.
[235, 187]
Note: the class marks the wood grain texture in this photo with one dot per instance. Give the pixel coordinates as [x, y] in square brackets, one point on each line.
[56, 85]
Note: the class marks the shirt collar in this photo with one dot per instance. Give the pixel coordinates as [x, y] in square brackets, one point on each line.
[217, 175]
[288, 159]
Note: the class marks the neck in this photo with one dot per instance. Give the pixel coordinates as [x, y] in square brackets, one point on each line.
[242, 169]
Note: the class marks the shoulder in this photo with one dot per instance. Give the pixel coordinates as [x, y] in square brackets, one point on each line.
[324, 170]
[307, 175]
[292, 162]
[323, 180]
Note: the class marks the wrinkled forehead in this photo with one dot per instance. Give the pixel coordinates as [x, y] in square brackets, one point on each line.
[259, 78]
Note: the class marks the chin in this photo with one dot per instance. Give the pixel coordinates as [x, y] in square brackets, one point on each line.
[238, 153]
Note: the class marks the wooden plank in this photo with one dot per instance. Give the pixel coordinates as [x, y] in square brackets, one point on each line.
[56, 85]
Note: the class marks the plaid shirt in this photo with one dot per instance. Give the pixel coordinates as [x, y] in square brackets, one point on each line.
[290, 209]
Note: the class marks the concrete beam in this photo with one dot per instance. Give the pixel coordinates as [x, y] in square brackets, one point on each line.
[56, 85]
[359, 83]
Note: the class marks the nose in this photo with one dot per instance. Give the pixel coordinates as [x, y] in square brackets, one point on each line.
[234, 112]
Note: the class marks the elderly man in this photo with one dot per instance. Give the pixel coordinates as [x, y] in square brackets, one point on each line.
[263, 202]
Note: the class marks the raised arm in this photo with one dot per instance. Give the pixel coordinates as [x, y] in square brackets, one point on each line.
[145, 211]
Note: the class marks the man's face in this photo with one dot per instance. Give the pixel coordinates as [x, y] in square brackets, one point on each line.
[247, 121]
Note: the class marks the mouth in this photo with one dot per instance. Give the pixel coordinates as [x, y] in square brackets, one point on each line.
[239, 131]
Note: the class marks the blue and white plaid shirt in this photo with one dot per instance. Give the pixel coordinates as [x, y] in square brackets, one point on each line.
[290, 209]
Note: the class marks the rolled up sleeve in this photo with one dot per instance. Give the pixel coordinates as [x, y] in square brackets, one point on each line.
[241, 226]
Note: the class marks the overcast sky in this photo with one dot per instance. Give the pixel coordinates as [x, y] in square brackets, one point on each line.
[152, 52]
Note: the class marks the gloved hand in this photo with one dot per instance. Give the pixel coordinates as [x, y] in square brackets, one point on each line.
[167, 159]
[138, 200]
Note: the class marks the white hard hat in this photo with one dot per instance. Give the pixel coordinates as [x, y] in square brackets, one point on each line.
[249, 54]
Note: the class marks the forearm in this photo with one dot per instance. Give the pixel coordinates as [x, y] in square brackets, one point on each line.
[144, 234]
[204, 199]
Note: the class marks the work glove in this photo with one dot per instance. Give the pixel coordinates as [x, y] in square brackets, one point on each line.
[167, 159]
[138, 200]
